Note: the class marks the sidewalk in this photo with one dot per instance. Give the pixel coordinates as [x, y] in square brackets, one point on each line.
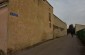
[59, 46]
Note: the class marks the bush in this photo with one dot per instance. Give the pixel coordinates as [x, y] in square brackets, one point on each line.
[81, 35]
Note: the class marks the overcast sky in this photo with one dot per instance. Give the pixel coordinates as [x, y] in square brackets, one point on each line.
[70, 11]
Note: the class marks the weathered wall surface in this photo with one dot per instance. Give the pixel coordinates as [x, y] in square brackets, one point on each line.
[24, 27]
[79, 27]
[60, 28]
[3, 0]
[3, 28]
[32, 22]
[28, 23]
[46, 13]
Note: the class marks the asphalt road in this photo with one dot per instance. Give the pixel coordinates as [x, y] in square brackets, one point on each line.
[60, 46]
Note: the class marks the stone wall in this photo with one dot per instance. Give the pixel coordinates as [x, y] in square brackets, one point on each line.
[60, 27]
[32, 22]
[28, 23]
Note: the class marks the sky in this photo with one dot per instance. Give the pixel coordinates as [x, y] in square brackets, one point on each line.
[70, 11]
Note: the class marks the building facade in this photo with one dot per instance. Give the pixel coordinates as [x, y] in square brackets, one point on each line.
[79, 27]
[60, 27]
[29, 23]
[24, 23]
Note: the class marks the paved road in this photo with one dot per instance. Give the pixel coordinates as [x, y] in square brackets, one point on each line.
[59, 46]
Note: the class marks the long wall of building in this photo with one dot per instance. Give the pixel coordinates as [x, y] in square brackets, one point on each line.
[29, 23]
[79, 27]
[46, 16]
[60, 27]
[32, 22]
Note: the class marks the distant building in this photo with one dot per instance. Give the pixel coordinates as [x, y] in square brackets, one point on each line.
[79, 27]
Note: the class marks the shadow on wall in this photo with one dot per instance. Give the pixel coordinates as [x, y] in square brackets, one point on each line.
[1, 1]
[2, 52]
